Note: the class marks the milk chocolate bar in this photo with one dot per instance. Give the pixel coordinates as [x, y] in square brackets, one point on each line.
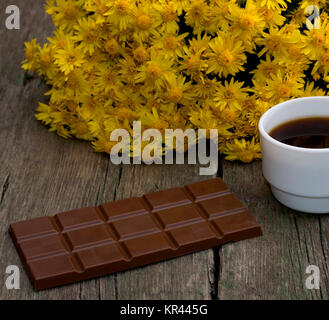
[125, 234]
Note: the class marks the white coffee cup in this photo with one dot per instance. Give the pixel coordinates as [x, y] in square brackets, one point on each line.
[299, 177]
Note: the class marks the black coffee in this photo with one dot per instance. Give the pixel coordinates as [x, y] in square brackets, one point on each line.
[305, 133]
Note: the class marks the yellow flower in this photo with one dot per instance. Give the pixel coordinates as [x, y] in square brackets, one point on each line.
[112, 47]
[110, 123]
[245, 151]
[31, 54]
[311, 91]
[69, 58]
[60, 129]
[319, 3]
[227, 56]
[275, 4]
[79, 129]
[120, 13]
[129, 98]
[179, 90]
[60, 39]
[265, 69]
[316, 40]
[206, 88]
[231, 94]
[98, 7]
[247, 22]
[153, 72]
[199, 44]
[294, 55]
[44, 113]
[194, 64]
[106, 80]
[76, 82]
[66, 13]
[51, 8]
[89, 106]
[177, 64]
[146, 21]
[196, 13]
[254, 115]
[229, 114]
[103, 145]
[322, 63]
[221, 10]
[299, 16]
[203, 118]
[326, 79]
[295, 71]
[181, 5]
[140, 54]
[176, 116]
[275, 42]
[63, 117]
[46, 66]
[127, 70]
[152, 119]
[87, 35]
[272, 16]
[171, 44]
[169, 15]
[96, 125]
[280, 88]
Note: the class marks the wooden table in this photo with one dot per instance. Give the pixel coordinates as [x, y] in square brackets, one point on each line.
[43, 174]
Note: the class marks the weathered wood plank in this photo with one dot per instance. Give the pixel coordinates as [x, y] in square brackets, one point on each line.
[45, 175]
[273, 266]
[35, 23]
[40, 173]
[188, 277]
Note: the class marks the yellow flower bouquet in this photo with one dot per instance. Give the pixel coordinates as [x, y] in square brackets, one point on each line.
[208, 64]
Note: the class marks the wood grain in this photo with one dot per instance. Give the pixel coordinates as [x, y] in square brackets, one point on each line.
[42, 174]
[273, 266]
[188, 277]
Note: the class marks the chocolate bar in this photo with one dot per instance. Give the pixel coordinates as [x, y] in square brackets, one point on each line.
[125, 234]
